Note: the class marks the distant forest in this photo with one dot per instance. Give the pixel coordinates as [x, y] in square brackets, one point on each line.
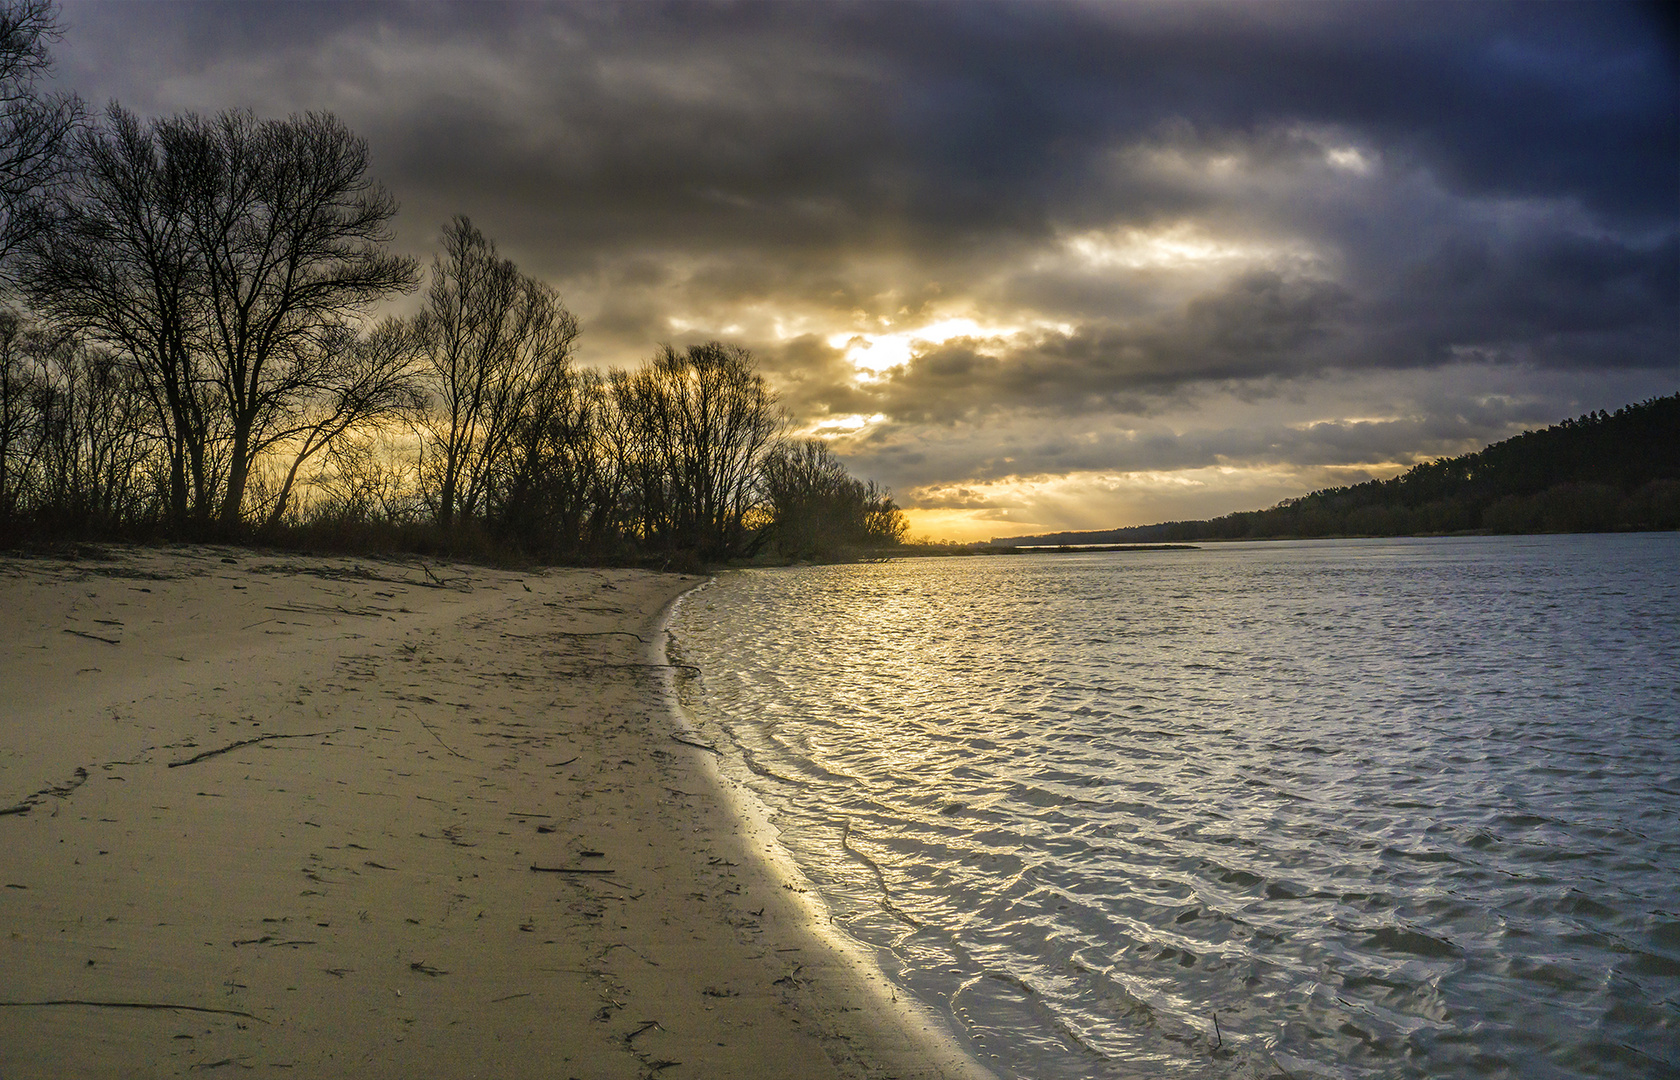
[187, 352]
[1602, 472]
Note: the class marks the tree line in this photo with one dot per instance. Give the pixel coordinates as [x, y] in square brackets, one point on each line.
[1601, 472]
[188, 350]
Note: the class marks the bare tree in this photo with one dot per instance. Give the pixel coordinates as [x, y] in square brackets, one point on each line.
[560, 491]
[34, 128]
[819, 509]
[291, 231]
[121, 267]
[701, 422]
[223, 258]
[359, 380]
[498, 346]
[94, 447]
[20, 442]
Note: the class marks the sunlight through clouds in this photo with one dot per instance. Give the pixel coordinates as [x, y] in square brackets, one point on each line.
[873, 355]
[1181, 246]
[1285, 240]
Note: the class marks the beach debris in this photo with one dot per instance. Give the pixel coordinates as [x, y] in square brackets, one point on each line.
[92, 637]
[594, 633]
[567, 870]
[229, 748]
[698, 745]
[433, 732]
[61, 791]
[270, 939]
[426, 969]
[1216, 1033]
[160, 1005]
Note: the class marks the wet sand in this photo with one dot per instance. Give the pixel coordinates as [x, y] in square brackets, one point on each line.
[331, 817]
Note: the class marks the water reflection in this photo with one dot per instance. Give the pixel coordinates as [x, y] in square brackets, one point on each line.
[1386, 808]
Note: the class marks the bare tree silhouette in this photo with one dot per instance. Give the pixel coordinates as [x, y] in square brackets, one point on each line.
[34, 127]
[222, 258]
[498, 345]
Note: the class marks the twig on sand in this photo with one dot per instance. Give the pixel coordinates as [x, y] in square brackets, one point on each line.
[61, 791]
[584, 669]
[162, 1005]
[92, 637]
[698, 745]
[439, 738]
[1216, 1034]
[568, 870]
[426, 969]
[229, 748]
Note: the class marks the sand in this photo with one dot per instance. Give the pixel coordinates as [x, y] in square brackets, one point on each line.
[337, 817]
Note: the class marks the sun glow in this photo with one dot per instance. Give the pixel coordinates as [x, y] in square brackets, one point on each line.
[844, 425]
[1180, 246]
[875, 354]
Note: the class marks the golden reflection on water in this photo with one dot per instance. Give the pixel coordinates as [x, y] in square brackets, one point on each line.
[1345, 795]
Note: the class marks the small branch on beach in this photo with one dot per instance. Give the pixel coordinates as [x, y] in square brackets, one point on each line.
[1216, 1033]
[196, 758]
[426, 969]
[62, 791]
[698, 745]
[92, 637]
[587, 668]
[439, 738]
[325, 609]
[165, 1006]
[439, 583]
[567, 870]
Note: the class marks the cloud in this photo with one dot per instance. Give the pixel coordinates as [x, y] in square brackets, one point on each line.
[974, 242]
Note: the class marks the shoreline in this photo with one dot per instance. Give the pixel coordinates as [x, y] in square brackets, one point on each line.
[350, 816]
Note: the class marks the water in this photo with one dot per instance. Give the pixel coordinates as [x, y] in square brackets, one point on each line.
[1386, 808]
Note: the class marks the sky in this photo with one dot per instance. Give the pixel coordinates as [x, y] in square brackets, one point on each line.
[1034, 266]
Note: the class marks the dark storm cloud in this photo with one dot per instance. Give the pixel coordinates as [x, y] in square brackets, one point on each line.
[1262, 324]
[1409, 189]
[927, 120]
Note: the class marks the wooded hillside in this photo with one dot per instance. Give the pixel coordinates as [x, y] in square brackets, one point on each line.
[1601, 472]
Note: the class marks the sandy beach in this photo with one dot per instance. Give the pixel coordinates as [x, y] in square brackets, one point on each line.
[340, 817]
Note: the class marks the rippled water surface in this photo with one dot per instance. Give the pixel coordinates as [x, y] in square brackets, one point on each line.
[1386, 808]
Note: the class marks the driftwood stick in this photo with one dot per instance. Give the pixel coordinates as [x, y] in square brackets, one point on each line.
[698, 745]
[439, 738]
[92, 637]
[567, 870]
[162, 1005]
[196, 758]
